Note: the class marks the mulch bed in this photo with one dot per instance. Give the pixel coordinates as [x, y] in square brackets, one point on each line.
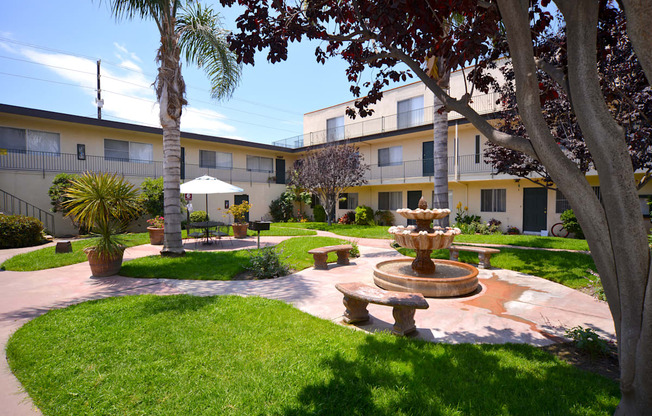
[605, 365]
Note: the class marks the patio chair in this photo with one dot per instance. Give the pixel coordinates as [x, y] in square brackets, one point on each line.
[222, 230]
[197, 235]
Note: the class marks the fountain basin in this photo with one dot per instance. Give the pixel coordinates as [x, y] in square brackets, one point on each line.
[451, 278]
[424, 241]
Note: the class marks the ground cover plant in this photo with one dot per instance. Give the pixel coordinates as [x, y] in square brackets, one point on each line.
[224, 265]
[567, 268]
[205, 355]
[46, 258]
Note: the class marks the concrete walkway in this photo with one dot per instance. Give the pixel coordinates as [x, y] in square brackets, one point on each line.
[511, 307]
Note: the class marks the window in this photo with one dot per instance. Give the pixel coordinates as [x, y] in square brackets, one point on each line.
[390, 200]
[21, 140]
[348, 201]
[561, 203]
[477, 148]
[335, 129]
[410, 112]
[493, 200]
[219, 160]
[128, 151]
[260, 164]
[390, 156]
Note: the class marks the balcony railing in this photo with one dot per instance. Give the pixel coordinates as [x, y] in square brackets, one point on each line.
[69, 163]
[419, 169]
[50, 162]
[483, 104]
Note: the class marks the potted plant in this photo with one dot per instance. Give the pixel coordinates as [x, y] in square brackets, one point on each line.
[511, 230]
[156, 230]
[105, 204]
[239, 213]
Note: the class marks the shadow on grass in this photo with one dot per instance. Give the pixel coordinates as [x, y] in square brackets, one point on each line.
[453, 379]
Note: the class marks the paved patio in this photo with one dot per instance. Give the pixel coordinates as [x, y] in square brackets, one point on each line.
[511, 307]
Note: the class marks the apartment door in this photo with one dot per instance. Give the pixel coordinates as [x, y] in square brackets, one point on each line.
[413, 203]
[239, 199]
[535, 209]
[427, 156]
[280, 171]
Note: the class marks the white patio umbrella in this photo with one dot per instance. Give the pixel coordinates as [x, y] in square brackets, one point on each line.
[208, 185]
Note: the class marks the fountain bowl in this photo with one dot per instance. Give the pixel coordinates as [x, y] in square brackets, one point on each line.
[429, 241]
[423, 214]
[450, 278]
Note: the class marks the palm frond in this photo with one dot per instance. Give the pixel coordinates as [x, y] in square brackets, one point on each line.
[203, 42]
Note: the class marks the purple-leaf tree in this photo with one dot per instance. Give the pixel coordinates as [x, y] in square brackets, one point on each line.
[329, 171]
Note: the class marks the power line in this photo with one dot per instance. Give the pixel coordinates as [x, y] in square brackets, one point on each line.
[30, 45]
[47, 80]
[48, 65]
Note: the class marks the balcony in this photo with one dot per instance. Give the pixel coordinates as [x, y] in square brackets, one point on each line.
[69, 163]
[483, 104]
[422, 170]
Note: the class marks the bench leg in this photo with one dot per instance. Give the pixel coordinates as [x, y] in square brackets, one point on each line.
[343, 257]
[321, 261]
[484, 260]
[356, 310]
[454, 255]
[404, 318]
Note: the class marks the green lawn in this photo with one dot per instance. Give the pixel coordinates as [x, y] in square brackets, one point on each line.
[228, 355]
[377, 231]
[46, 258]
[562, 267]
[223, 265]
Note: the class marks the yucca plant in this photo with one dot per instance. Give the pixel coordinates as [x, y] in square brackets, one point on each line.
[105, 204]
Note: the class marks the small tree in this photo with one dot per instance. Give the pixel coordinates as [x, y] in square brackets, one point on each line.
[329, 171]
[57, 192]
[152, 196]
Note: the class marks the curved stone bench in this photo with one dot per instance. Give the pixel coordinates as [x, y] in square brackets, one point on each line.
[358, 295]
[321, 255]
[484, 254]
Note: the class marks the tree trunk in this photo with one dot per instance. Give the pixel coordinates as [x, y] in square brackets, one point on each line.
[440, 159]
[613, 229]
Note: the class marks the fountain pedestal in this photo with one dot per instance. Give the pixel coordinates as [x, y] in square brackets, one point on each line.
[439, 278]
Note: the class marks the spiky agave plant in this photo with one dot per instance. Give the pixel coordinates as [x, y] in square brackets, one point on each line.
[104, 203]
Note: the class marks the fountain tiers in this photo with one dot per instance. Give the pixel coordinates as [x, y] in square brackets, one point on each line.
[439, 278]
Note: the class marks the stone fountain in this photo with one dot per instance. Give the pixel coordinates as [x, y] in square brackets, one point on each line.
[438, 278]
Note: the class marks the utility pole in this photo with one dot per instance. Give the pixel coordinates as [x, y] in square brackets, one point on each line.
[99, 101]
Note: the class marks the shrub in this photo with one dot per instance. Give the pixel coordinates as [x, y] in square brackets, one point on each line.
[355, 251]
[513, 230]
[282, 207]
[57, 191]
[569, 221]
[595, 284]
[470, 228]
[20, 231]
[320, 213]
[348, 218]
[587, 340]
[151, 196]
[364, 215]
[463, 217]
[198, 216]
[266, 264]
[384, 217]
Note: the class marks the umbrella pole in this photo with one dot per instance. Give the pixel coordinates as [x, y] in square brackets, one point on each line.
[207, 216]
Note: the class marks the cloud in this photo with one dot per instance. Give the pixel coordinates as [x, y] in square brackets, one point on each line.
[127, 92]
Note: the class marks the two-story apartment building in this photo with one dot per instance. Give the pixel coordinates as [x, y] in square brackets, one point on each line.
[396, 141]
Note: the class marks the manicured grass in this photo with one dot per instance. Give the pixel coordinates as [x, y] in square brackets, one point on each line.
[562, 267]
[223, 265]
[184, 355]
[46, 258]
[525, 241]
[377, 231]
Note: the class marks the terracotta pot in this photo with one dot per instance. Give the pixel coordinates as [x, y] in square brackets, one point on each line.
[102, 266]
[156, 235]
[240, 230]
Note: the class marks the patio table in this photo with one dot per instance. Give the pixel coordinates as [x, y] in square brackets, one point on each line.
[206, 227]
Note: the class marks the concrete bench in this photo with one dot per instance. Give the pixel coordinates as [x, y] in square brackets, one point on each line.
[321, 255]
[358, 295]
[484, 254]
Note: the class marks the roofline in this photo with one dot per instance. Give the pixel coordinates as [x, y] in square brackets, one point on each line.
[89, 121]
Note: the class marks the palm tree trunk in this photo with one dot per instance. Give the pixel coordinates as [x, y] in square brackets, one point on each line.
[440, 158]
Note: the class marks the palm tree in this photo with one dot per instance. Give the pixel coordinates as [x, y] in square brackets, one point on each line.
[184, 26]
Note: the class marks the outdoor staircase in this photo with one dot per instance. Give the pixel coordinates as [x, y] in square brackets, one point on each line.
[12, 205]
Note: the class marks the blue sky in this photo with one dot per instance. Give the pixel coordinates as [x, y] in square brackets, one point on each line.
[60, 40]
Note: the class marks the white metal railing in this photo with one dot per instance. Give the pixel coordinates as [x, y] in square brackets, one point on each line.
[483, 104]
